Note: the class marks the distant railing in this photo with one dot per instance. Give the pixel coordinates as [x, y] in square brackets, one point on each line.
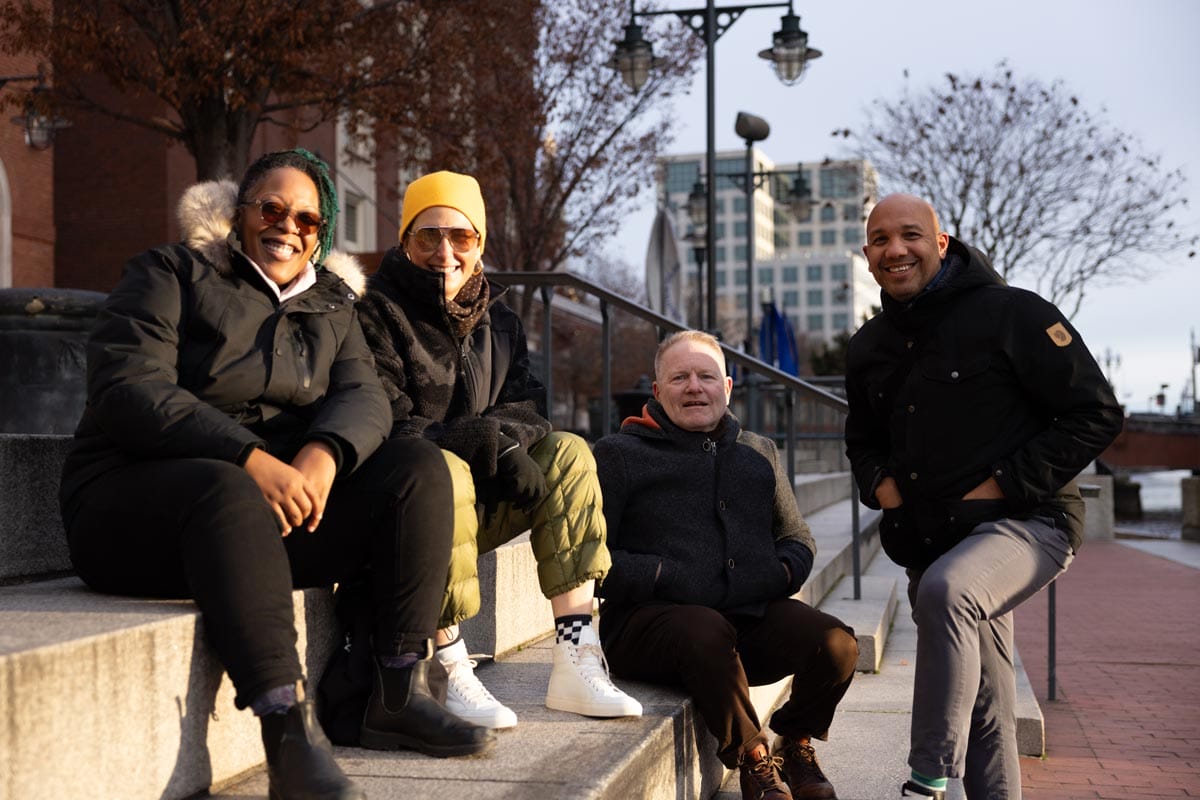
[776, 393]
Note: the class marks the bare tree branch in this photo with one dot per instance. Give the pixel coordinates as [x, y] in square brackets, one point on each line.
[1059, 198]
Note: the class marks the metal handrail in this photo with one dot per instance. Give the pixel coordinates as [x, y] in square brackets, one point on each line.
[792, 386]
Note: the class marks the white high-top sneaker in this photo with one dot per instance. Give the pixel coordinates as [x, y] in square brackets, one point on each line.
[579, 681]
[466, 697]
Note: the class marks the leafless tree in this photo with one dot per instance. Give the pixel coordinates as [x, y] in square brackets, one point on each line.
[220, 68]
[567, 149]
[1059, 198]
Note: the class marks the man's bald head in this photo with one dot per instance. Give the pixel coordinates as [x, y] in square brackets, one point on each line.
[905, 245]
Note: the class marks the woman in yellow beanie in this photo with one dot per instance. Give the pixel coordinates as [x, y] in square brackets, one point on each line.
[455, 365]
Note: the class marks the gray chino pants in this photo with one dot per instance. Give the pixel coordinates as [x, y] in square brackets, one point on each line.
[963, 722]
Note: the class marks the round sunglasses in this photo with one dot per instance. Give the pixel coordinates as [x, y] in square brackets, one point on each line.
[273, 212]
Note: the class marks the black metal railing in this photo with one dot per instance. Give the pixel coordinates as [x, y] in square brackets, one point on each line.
[776, 394]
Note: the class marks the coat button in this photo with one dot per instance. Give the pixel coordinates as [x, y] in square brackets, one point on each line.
[928, 541]
[909, 345]
[731, 563]
[350, 296]
[912, 475]
[912, 409]
[954, 374]
[278, 351]
[722, 505]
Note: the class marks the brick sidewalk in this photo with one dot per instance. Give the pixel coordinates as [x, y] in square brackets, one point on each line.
[1126, 724]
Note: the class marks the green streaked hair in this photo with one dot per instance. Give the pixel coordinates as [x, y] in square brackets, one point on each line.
[311, 165]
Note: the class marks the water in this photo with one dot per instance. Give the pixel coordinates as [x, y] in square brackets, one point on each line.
[1161, 490]
[1162, 506]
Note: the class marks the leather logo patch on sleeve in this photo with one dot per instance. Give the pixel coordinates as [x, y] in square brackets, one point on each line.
[1059, 334]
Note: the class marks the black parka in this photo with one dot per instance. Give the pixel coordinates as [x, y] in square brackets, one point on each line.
[698, 518]
[193, 356]
[475, 395]
[971, 380]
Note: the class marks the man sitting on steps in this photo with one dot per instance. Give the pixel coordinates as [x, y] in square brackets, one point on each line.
[708, 547]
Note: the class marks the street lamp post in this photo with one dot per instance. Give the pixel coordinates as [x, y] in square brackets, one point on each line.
[634, 59]
[39, 128]
[752, 129]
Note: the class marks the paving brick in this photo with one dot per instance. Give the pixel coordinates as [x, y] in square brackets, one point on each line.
[1126, 721]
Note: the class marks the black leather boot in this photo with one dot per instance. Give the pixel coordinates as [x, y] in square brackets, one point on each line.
[300, 762]
[403, 714]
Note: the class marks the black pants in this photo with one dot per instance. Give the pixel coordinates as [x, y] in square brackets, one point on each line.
[716, 658]
[201, 528]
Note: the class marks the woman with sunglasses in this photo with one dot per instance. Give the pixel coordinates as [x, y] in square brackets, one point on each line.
[454, 363]
[233, 448]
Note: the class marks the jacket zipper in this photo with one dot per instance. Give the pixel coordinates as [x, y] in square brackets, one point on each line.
[305, 369]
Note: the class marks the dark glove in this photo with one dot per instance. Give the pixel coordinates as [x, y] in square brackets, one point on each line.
[520, 479]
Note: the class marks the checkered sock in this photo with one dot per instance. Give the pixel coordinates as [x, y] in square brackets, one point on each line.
[568, 627]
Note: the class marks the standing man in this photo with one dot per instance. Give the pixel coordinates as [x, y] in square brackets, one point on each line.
[973, 406]
[708, 547]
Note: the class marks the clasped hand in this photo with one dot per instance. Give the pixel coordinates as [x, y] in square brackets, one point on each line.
[296, 492]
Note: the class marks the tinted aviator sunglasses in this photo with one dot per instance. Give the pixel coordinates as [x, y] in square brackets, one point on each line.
[273, 212]
[430, 238]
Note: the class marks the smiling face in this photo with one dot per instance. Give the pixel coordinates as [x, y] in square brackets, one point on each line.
[279, 249]
[454, 266]
[904, 247]
[692, 386]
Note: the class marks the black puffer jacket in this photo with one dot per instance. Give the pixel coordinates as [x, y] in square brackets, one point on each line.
[193, 357]
[1000, 385]
[715, 510]
[476, 396]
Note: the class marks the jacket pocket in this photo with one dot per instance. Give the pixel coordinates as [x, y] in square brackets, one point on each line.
[956, 371]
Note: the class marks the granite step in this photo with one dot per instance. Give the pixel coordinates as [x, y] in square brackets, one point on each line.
[664, 754]
[108, 696]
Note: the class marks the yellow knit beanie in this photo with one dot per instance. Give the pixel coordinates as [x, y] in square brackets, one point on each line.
[450, 189]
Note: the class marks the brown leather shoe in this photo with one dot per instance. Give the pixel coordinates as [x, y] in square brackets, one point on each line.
[801, 770]
[760, 778]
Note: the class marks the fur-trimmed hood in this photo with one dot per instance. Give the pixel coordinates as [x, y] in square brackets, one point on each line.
[206, 213]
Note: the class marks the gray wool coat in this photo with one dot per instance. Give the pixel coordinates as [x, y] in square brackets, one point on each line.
[712, 515]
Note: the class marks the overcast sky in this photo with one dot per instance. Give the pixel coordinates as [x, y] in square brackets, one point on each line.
[1140, 61]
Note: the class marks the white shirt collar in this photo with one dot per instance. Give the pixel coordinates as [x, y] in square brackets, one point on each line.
[303, 281]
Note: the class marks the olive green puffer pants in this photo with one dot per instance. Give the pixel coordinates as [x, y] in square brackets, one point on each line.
[566, 528]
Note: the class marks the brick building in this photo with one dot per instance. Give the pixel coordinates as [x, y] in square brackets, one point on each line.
[27, 225]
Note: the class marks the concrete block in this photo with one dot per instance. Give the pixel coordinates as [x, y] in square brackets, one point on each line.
[105, 696]
[835, 552]
[817, 490]
[1190, 487]
[32, 541]
[1098, 508]
[1031, 728]
[870, 616]
[513, 611]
